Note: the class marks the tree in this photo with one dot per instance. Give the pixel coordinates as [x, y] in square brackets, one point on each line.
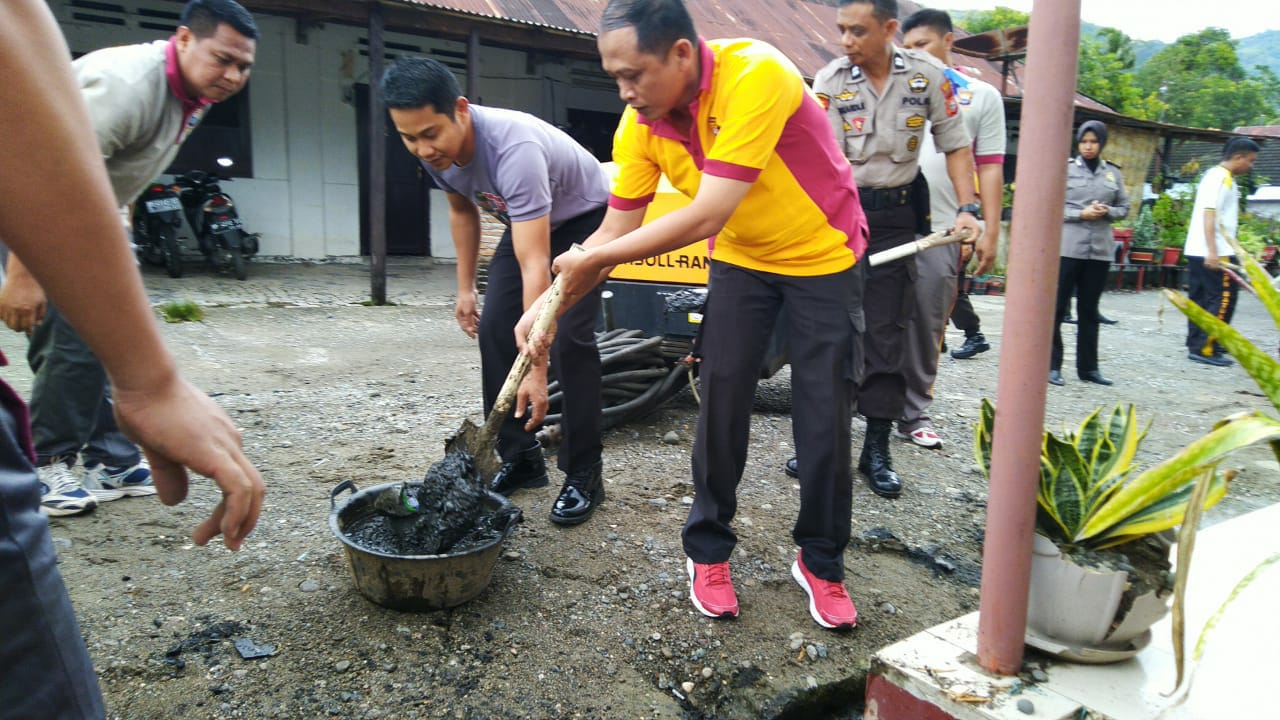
[1200, 81]
[1115, 43]
[980, 21]
[1103, 70]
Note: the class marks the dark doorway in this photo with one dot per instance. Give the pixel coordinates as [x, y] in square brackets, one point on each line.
[223, 133]
[594, 131]
[408, 189]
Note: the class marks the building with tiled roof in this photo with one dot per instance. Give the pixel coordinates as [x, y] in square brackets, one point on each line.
[299, 134]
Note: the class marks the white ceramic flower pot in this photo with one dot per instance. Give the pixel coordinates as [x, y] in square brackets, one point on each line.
[1080, 607]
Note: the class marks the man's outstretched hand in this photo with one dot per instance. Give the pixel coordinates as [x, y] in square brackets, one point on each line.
[180, 427]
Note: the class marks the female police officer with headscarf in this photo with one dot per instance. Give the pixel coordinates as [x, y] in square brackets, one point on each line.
[1095, 198]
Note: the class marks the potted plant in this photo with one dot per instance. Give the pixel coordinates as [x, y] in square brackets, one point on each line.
[1100, 565]
[1098, 513]
[1171, 214]
[1144, 237]
[1100, 573]
[1142, 255]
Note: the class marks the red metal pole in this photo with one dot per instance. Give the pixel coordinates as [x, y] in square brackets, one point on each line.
[1028, 331]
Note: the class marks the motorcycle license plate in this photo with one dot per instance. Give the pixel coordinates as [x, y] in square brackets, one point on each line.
[163, 205]
[224, 225]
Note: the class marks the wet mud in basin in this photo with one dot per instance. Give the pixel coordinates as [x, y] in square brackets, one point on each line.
[445, 513]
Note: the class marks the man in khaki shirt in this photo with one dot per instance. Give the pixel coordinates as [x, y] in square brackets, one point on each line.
[144, 101]
[880, 99]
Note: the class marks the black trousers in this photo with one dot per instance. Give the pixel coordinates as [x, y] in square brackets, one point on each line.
[1085, 279]
[738, 320]
[963, 316]
[575, 360]
[1214, 291]
[889, 304]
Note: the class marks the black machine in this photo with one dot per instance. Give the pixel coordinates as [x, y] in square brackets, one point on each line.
[212, 215]
[157, 215]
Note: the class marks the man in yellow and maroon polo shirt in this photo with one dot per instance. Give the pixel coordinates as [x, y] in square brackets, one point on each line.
[733, 126]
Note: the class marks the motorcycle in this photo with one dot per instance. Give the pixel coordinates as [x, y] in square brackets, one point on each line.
[157, 215]
[217, 226]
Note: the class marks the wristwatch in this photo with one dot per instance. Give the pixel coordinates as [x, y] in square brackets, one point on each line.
[971, 208]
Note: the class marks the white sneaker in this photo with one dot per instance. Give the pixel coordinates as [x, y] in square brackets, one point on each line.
[112, 483]
[92, 481]
[60, 494]
[925, 437]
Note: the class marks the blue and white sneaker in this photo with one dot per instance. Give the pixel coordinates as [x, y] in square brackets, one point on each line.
[120, 481]
[60, 494]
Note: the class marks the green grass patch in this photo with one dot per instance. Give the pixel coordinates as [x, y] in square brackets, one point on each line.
[181, 311]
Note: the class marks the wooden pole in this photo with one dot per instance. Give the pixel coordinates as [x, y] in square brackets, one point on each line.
[473, 66]
[377, 159]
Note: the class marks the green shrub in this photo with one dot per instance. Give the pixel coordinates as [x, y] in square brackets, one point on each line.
[177, 311]
[1171, 214]
[1256, 232]
[1144, 229]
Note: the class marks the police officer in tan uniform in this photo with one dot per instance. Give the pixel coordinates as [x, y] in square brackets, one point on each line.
[879, 99]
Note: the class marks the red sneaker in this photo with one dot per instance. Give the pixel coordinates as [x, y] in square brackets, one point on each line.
[711, 589]
[829, 602]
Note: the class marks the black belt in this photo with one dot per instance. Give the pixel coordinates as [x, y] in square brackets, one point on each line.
[884, 198]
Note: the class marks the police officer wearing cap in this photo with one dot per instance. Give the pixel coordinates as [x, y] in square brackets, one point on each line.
[880, 99]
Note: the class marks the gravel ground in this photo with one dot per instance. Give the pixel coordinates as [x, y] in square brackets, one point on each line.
[589, 622]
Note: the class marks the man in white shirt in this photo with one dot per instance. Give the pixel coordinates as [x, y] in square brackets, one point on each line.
[1215, 215]
[938, 269]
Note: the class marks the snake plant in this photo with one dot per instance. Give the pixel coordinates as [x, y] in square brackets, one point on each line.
[1090, 492]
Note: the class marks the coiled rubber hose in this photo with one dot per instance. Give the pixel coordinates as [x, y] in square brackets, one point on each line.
[636, 377]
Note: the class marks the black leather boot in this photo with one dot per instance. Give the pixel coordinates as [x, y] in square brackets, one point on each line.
[578, 499]
[526, 470]
[875, 462]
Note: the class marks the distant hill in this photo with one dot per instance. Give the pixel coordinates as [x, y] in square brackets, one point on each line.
[1260, 49]
[1144, 50]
